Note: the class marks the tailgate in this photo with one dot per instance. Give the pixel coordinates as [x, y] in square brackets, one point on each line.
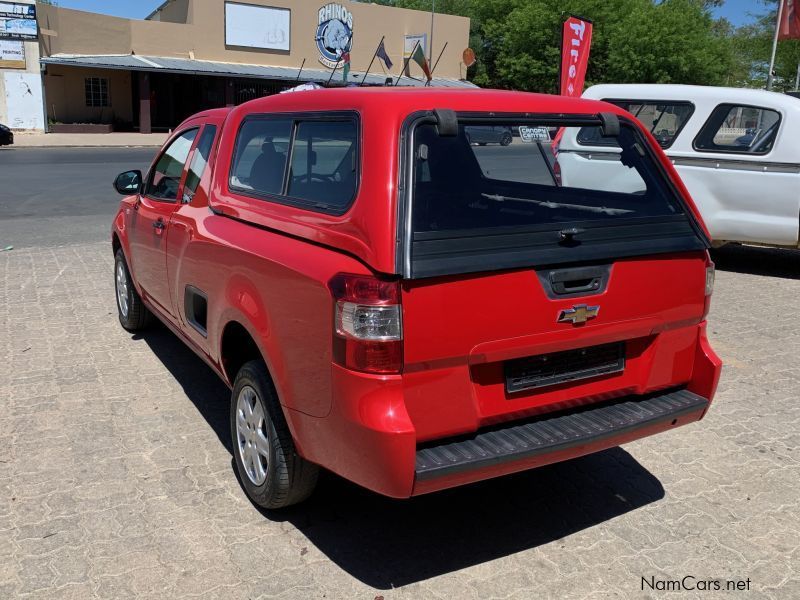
[485, 348]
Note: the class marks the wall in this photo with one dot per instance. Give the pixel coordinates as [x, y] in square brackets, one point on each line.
[203, 37]
[21, 91]
[66, 97]
[176, 11]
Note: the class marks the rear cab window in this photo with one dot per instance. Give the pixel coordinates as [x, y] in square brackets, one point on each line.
[477, 207]
[305, 160]
[739, 129]
[664, 120]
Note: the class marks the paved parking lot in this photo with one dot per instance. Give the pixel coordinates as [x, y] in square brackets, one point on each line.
[116, 477]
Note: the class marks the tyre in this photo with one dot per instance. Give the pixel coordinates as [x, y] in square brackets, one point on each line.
[506, 139]
[133, 314]
[272, 473]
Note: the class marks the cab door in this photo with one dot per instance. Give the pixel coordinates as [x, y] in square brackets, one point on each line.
[151, 217]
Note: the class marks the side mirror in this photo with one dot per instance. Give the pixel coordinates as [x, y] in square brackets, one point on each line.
[128, 183]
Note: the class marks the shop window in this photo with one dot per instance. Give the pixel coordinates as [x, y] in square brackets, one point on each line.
[96, 90]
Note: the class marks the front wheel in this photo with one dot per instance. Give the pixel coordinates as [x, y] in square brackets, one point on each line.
[505, 140]
[272, 473]
[133, 314]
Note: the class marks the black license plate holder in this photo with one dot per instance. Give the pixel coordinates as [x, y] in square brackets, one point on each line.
[544, 370]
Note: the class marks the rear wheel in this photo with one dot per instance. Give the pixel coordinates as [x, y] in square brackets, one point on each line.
[133, 314]
[506, 139]
[272, 473]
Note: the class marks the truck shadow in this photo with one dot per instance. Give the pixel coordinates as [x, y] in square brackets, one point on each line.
[757, 260]
[388, 543]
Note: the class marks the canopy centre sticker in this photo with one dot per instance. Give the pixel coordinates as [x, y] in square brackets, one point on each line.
[534, 134]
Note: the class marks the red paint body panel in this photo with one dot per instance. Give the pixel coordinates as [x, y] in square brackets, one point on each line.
[266, 266]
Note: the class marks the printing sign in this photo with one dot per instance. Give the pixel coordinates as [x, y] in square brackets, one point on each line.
[334, 33]
[18, 22]
[12, 55]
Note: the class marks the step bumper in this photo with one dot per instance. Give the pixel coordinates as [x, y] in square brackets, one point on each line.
[551, 438]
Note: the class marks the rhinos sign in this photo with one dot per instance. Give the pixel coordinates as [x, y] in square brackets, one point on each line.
[334, 33]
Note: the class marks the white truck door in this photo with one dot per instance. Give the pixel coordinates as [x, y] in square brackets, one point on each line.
[742, 191]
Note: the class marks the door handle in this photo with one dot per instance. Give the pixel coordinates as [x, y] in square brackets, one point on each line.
[159, 225]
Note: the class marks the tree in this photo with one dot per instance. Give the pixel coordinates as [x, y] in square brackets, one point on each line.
[753, 47]
[649, 41]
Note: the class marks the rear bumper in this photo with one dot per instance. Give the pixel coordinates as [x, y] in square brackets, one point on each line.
[551, 438]
[369, 438]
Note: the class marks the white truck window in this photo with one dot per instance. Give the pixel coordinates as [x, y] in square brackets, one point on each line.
[739, 129]
[664, 120]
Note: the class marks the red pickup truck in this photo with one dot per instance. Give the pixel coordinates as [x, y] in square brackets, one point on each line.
[410, 309]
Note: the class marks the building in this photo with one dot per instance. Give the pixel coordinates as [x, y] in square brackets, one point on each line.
[20, 79]
[189, 55]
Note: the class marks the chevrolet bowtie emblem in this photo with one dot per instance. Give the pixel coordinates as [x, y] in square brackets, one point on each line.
[578, 314]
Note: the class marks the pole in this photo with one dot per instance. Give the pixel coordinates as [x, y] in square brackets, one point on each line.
[797, 79]
[430, 49]
[374, 54]
[405, 63]
[300, 72]
[433, 69]
[770, 76]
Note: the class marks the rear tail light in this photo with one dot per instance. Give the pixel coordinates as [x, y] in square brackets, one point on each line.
[710, 277]
[368, 324]
[557, 172]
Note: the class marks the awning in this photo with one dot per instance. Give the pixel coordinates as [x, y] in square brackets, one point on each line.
[164, 64]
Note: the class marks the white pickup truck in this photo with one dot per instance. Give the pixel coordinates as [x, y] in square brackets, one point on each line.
[737, 151]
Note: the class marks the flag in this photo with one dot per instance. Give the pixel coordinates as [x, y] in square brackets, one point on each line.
[419, 58]
[346, 69]
[789, 27]
[575, 44]
[576, 40]
[381, 53]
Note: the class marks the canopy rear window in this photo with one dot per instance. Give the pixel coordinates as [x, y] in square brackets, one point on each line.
[478, 206]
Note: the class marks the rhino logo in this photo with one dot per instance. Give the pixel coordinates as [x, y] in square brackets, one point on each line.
[334, 33]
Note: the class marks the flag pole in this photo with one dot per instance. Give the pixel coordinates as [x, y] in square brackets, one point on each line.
[433, 12]
[363, 79]
[437, 62]
[338, 60]
[770, 76]
[405, 63]
[300, 72]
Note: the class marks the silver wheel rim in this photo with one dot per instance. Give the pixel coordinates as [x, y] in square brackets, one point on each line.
[122, 289]
[252, 440]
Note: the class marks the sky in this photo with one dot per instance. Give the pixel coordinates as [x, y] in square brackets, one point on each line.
[131, 9]
[738, 12]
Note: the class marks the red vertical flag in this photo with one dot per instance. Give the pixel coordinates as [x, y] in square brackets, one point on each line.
[575, 43]
[576, 39]
[789, 27]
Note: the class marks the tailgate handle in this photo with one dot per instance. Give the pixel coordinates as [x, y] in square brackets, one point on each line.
[575, 281]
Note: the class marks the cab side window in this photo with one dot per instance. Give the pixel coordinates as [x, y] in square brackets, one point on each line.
[739, 129]
[165, 178]
[200, 159]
